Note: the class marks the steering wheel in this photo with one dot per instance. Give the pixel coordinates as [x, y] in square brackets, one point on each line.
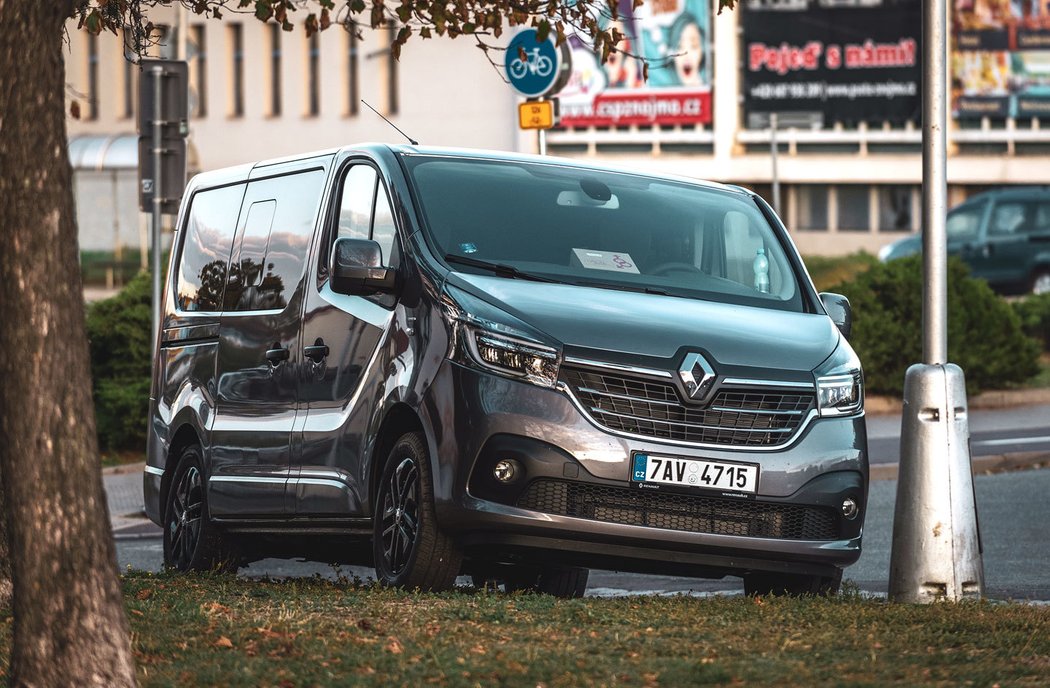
[664, 268]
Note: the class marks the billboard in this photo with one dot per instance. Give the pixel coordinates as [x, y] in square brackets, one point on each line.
[674, 38]
[827, 61]
[1001, 58]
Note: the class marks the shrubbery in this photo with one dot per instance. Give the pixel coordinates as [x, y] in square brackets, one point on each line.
[829, 270]
[119, 332]
[1034, 312]
[984, 333]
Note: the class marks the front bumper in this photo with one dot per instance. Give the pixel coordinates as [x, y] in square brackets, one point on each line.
[493, 417]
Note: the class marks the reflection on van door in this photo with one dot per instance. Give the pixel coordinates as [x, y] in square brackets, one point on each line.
[345, 335]
[259, 355]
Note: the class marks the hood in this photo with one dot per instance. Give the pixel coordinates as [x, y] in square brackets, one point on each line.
[660, 326]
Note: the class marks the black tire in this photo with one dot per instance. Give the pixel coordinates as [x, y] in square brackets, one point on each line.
[791, 584]
[191, 541]
[560, 581]
[410, 550]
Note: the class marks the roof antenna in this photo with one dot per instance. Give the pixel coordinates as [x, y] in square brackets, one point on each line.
[410, 139]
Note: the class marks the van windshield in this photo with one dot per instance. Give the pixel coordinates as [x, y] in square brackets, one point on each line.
[603, 229]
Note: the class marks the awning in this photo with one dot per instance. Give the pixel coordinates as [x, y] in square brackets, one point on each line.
[105, 152]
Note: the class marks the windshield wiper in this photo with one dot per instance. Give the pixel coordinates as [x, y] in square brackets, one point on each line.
[498, 269]
[629, 287]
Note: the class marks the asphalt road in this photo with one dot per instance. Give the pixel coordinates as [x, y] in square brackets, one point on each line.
[1012, 508]
[998, 431]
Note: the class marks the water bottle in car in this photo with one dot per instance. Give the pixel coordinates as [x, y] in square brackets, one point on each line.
[761, 267]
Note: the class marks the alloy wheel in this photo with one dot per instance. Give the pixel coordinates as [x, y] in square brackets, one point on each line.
[400, 515]
[184, 523]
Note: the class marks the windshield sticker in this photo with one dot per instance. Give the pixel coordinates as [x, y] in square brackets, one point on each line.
[603, 260]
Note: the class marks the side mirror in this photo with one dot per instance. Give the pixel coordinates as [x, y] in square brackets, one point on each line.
[357, 268]
[839, 310]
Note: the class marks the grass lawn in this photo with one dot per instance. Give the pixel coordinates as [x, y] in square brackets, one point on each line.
[220, 630]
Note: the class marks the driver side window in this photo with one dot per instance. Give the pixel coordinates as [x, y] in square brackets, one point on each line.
[365, 213]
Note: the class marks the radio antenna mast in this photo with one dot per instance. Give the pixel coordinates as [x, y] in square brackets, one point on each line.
[410, 139]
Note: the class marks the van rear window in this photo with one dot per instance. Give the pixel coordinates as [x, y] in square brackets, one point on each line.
[205, 257]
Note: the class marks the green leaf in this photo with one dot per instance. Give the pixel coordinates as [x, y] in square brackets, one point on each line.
[263, 10]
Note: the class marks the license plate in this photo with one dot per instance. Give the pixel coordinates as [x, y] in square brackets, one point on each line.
[713, 475]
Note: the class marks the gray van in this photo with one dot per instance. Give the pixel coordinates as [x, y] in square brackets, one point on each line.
[1003, 235]
[448, 362]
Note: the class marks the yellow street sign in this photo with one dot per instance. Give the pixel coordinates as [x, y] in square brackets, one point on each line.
[536, 114]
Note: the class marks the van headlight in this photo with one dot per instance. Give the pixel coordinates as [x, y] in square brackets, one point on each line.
[510, 356]
[840, 393]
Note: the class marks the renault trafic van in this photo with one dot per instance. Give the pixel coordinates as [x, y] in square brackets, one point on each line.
[449, 362]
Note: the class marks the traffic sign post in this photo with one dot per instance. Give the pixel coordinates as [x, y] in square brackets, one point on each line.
[536, 69]
[163, 126]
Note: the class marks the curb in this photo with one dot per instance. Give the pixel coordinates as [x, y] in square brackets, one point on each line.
[982, 465]
[882, 405]
[125, 468]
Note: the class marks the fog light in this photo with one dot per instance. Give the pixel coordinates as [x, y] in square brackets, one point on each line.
[849, 508]
[506, 470]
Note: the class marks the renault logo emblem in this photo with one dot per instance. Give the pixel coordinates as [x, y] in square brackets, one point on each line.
[698, 377]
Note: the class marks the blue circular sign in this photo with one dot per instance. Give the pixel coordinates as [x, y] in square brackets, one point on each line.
[536, 73]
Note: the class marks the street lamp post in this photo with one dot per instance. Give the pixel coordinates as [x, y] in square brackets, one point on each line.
[936, 551]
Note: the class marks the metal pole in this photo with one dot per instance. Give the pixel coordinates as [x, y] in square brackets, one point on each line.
[543, 141]
[773, 155]
[158, 201]
[935, 182]
[936, 550]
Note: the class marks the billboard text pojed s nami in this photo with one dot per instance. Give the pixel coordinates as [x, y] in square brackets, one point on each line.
[832, 60]
[674, 38]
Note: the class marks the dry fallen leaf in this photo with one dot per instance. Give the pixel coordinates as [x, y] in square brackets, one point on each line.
[223, 641]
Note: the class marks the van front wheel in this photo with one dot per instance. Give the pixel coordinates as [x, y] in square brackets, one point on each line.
[410, 550]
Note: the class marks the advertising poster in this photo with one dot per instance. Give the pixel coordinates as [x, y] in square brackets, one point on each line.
[832, 60]
[1001, 58]
[674, 37]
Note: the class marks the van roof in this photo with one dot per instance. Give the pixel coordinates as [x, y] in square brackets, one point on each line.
[229, 175]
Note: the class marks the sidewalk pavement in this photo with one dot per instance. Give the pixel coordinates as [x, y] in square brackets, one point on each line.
[123, 485]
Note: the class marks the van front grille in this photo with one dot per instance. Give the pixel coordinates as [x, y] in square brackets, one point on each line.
[736, 417]
[672, 511]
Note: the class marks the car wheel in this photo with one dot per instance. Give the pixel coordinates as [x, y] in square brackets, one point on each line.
[790, 584]
[1041, 282]
[560, 581]
[191, 541]
[410, 550]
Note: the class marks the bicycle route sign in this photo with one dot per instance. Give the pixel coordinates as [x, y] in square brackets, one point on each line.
[536, 73]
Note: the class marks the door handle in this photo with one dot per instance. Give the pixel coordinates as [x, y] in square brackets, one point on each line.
[277, 354]
[318, 352]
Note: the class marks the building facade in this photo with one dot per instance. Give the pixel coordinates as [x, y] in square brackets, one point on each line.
[845, 110]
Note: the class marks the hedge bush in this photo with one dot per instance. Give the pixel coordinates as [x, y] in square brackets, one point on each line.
[1034, 312]
[119, 333]
[984, 332]
[829, 270]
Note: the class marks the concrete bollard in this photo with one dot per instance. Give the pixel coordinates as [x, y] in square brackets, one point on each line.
[936, 552]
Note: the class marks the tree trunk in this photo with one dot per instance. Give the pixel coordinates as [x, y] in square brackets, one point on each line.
[69, 622]
[5, 554]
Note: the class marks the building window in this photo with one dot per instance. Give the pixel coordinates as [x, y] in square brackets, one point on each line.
[275, 69]
[92, 76]
[895, 209]
[313, 66]
[393, 104]
[199, 77]
[236, 46]
[351, 73]
[812, 207]
[854, 208]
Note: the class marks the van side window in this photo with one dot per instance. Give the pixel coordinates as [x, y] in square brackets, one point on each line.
[1009, 219]
[965, 223]
[274, 241]
[205, 257]
[355, 209]
[365, 212]
[384, 232]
